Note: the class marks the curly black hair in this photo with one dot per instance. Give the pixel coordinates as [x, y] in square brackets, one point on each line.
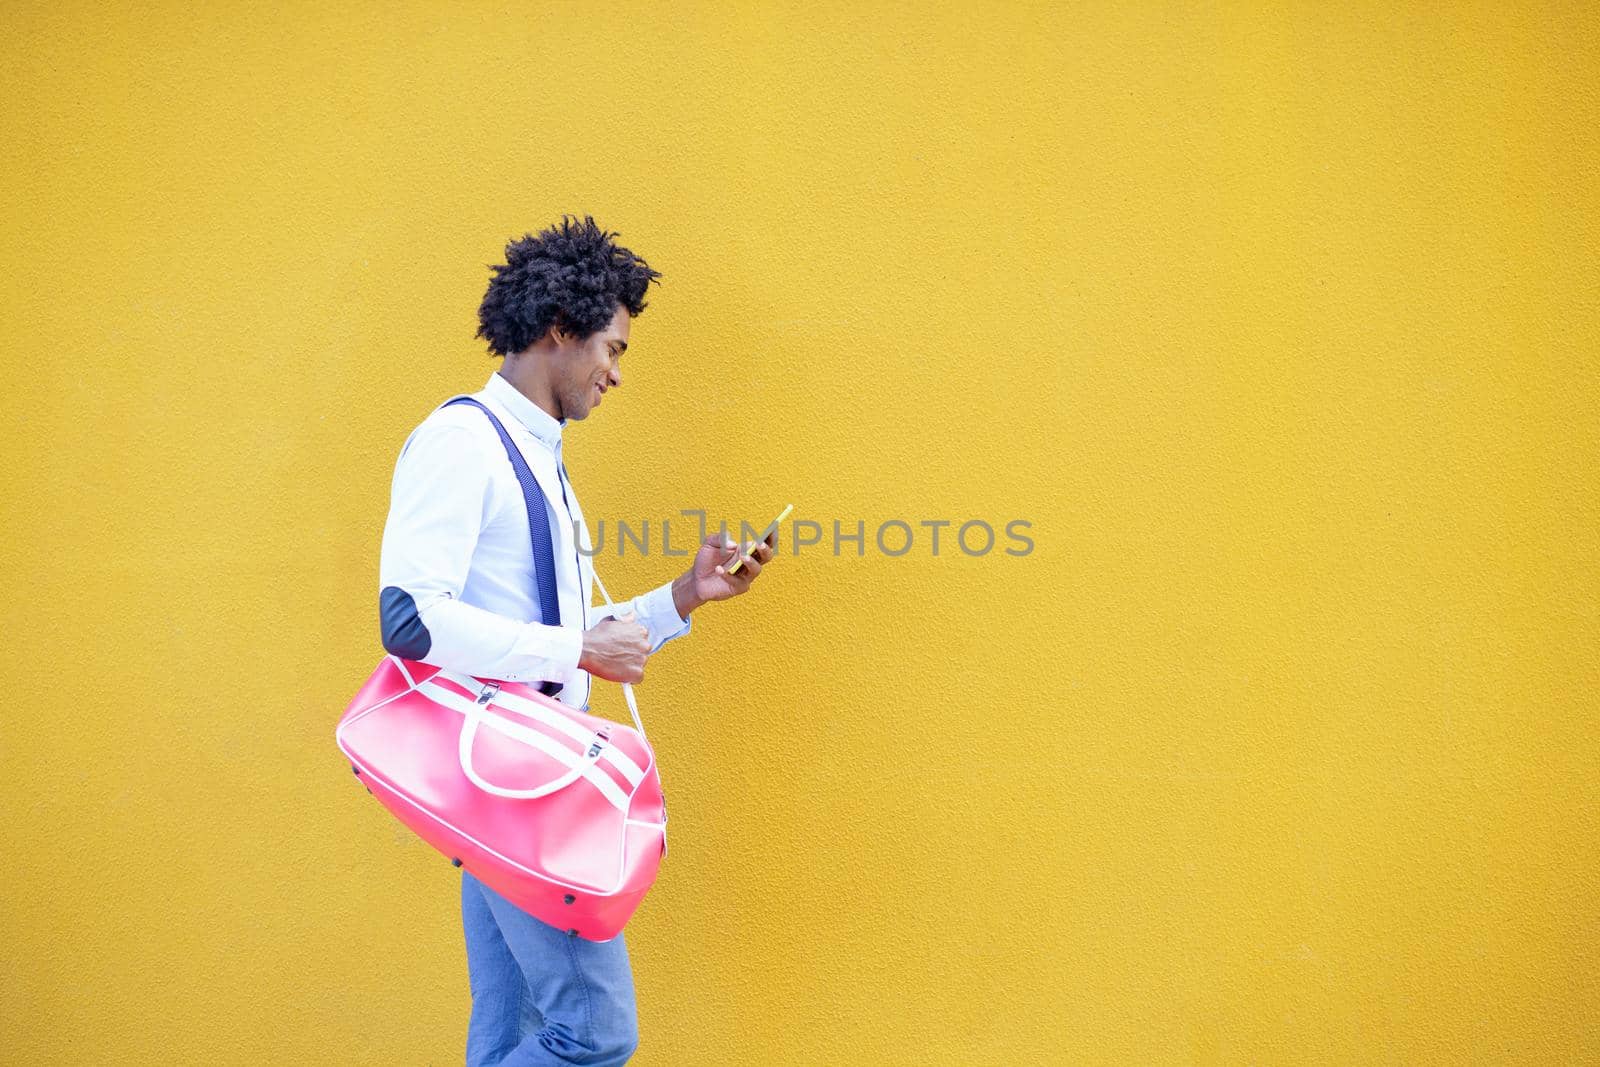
[572, 275]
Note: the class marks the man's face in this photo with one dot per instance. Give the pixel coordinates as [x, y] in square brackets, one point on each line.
[589, 368]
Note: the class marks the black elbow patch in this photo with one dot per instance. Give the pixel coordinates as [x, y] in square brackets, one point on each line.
[403, 632]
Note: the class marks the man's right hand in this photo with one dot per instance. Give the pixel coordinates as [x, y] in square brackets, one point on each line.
[615, 649]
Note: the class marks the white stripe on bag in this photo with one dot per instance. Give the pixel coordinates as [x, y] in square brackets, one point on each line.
[533, 738]
[553, 719]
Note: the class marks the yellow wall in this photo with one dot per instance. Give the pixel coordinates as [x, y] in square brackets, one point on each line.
[1280, 327]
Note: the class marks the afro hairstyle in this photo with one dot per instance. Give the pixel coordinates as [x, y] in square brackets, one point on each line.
[573, 275]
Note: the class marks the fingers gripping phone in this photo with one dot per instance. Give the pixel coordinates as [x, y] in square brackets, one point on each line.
[772, 529]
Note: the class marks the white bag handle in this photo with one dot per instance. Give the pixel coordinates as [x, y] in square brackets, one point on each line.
[469, 733]
[474, 718]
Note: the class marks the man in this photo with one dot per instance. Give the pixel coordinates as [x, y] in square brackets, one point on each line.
[458, 590]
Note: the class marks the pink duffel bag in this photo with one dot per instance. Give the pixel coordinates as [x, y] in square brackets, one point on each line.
[557, 810]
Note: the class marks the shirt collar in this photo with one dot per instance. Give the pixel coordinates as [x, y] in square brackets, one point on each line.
[540, 422]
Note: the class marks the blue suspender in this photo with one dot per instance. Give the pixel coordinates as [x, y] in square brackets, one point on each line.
[544, 557]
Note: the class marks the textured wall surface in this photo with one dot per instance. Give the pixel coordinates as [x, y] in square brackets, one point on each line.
[1279, 327]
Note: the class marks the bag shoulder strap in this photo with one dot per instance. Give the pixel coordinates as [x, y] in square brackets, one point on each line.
[544, 559]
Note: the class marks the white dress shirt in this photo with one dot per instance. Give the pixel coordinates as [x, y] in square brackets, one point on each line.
[456, 578]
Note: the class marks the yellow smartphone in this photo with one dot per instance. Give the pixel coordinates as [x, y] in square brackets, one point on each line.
[772, 528]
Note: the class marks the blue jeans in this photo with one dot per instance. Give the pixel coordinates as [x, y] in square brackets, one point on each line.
[542, 996]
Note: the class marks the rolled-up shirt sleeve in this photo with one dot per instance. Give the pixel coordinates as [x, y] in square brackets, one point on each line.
[654, 610]
[438, 502]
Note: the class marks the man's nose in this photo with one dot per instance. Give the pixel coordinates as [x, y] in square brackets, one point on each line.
[614, 377]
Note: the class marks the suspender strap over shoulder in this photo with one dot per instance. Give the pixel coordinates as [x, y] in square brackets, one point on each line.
[544, 559]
